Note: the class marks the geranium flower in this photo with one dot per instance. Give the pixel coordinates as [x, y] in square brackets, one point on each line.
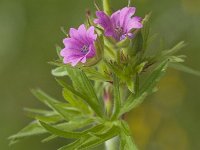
[79, 46]
[120, 24]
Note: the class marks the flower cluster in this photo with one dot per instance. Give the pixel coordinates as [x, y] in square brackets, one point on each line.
[80, 46]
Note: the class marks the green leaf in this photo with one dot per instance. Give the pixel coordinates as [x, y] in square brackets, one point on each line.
[174, 50]
[38, 111]
[154, 78]
[68, 134]
[66, 111]
[145, 31]
[44, 98]
[147, 88]
[85, 87]
[126, 141]
[114, 67]
[117, 99]
[130, 85]
[92, 140]
[176, 59]
[59, 132]
[93, 74]
[70, 126]
[58, 50]
[124, 43]
[138, 42]
[99, 139]
[33, 128]
[185, 69]
[59, 71]
[44, 115]
[76, 101]
[132, 102]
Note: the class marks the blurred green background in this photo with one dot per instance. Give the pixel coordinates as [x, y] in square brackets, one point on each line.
[29, 30]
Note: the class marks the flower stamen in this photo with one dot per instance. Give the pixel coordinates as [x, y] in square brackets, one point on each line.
[85, 49]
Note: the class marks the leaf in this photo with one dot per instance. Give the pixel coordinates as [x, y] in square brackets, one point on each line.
[114, 67]
[58, 49]
[174, 50]
[130, 85]
[93, 74]
[66, 111]
[85, 87]
[59, 71]
[126, 141]
[117, 99]
[138, 42]
[86, 98]
[176, 59]
[44, 98]
[48, 119]
[70, 126]
[185, 69]
[145, 30]
[68, 134]
[99, 139]
[132, 102]
[147, 88]
[32, 129]
[92, 140]
[123, 43]
[76, 101]
[153, 79]
[38, 111]
[59, 132]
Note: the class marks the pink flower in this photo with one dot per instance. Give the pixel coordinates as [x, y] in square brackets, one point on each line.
[79, 46]
[120, 24]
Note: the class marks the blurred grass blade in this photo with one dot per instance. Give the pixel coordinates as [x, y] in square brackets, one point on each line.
[185, 69]
[173, 50]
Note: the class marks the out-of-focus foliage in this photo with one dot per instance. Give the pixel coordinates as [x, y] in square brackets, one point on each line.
[30, 29]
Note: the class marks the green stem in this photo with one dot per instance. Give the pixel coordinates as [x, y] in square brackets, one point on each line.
[111, 144]
[106, 7]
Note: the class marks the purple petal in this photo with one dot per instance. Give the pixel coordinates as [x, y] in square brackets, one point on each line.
[104, 21]
[71, 43]
[115, 18]
[134, 23]
[83, 60]
[91, 53]
[83, 34]
[125, 15]
[91, 34]
[72, 59]
[69, 52]
[75, 61]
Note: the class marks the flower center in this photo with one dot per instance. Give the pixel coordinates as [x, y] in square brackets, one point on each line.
[85, 49]
[119, 30]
